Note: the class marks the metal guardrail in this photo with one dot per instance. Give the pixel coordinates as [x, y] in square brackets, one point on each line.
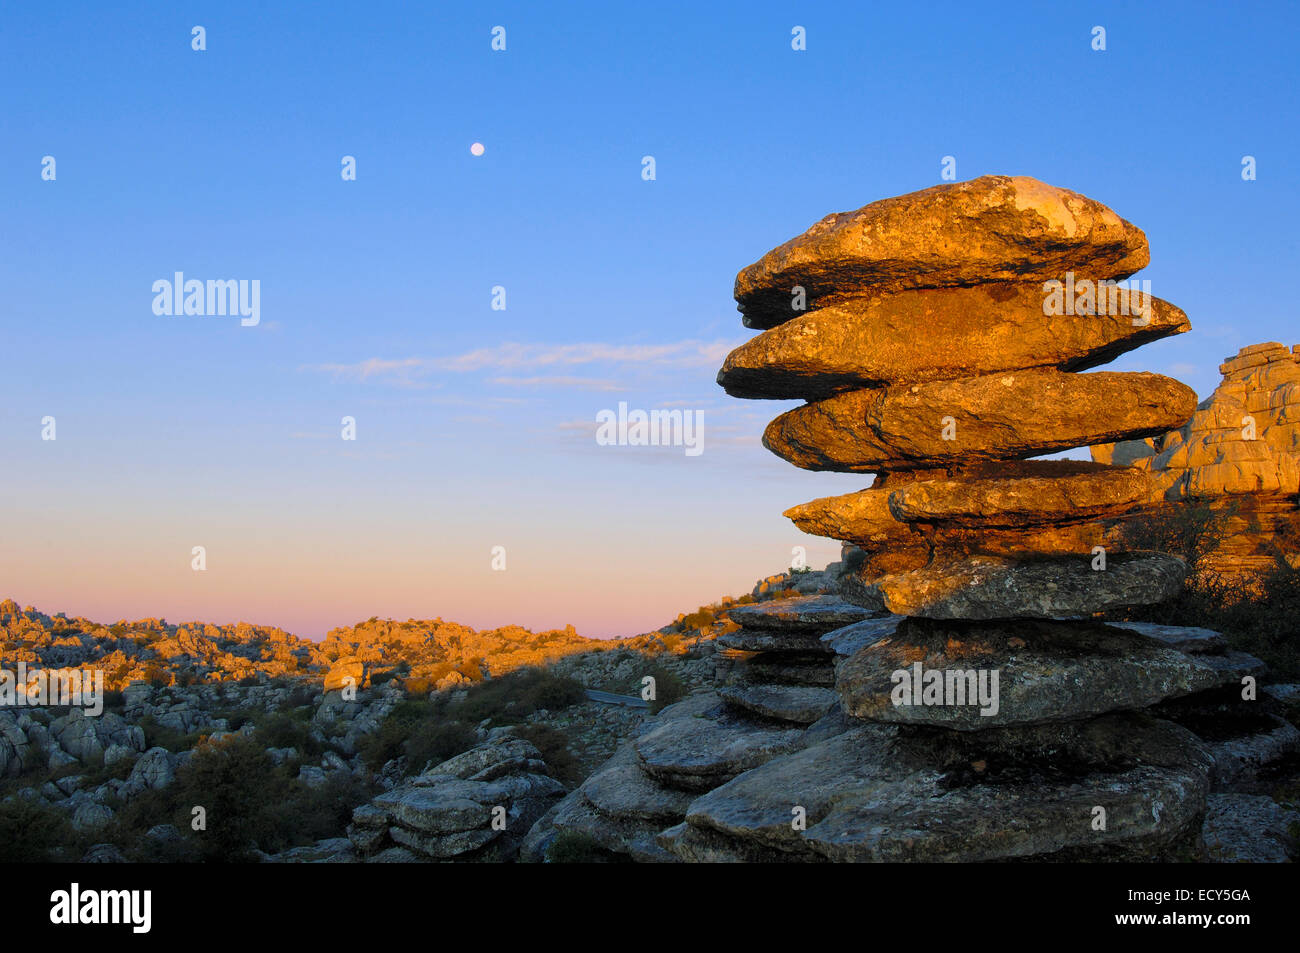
[609, 698]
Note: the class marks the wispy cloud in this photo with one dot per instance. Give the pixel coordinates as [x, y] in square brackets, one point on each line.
[573, 383]
[513, 355]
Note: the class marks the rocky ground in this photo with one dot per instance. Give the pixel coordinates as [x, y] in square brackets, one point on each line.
[182, 698]
[543, 773]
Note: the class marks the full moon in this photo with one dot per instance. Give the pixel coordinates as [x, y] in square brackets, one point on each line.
[476, 149]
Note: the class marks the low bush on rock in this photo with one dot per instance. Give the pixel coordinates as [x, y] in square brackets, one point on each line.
[34, 833]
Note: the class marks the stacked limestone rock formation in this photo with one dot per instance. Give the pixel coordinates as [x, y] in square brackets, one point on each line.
[774, 697]
[1240, 453]
[934, 357]
[927, 358]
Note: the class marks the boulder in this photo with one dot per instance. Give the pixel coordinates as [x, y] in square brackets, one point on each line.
[797, 704]
[985, 587]
[1249, 829]
[808, 614]
[348, 671]
[879, 339]
[696, 754]
[969, 420]
[155, 769]
[1045, 671]
[995, 228]
[885, 793]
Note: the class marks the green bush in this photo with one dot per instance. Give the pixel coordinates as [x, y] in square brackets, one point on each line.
[418, 729]
[114, 701]
[554, 746]
[34, 833]
[570, 847]
[281, 730]
[245, 798]
[1259, 613]
[700, 619]
[1190, 531]
[668, 688]
[316, 813]
[158, 736]
[514, 696]
[436, 742]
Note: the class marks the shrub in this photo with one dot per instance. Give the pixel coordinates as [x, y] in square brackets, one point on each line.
[1190, 531]
[668, 688]
[516, 695]
[436, 742]
[1256, 613]
[114, 700]
[419, 730]
[158, 736]
[554, 746]
[571, 847]
[281, 730]
[316, 813]
[34, 833]
[700, 619]
[299, 696]
[243, 794]
[417, 687]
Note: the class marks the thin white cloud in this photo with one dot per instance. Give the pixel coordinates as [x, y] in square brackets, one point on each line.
[513, 355]
[573, 383]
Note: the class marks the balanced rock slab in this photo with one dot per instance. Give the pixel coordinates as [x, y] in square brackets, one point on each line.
[628, 839]
[808, 614]
[974, 676]
[986, 587]
[1045, 507]
[992, 229]
[798, 704]
[621, 790]
[1080, 492]
[699, 753]
[776, 642]
[885, 793]
[999, 416]
[782, 669]
[939, 334]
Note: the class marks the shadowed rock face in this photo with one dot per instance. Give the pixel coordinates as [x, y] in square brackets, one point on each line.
[995, 417]
[885, 793]
[991, 229]
[937, 334]
[1047, 671]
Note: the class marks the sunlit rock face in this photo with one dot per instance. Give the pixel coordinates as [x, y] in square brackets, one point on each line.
[1239, 455]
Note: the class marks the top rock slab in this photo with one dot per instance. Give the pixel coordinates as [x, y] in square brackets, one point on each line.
[994, 228]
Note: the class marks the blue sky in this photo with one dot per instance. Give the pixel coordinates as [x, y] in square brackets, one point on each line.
[475, 425]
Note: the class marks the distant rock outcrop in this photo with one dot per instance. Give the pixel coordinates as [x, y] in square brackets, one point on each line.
[1240, 454]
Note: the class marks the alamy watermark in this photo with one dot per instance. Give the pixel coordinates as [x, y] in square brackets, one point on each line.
[654, 428]
[71, 687]
[1084, 296]
[947, 687]
[213, 297]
